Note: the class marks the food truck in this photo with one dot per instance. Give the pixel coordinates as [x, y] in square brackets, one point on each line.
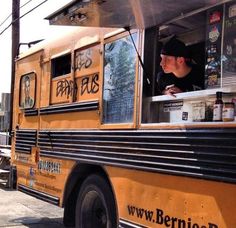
[92, 134]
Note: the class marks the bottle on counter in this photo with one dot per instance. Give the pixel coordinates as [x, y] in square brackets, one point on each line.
[234, 101]
[228, 111]
[218, 107]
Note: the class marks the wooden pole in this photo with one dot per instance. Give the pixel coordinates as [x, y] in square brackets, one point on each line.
[15, 45]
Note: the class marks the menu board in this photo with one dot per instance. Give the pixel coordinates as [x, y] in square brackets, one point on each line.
[229, 44]
[119, 80]
[213, 48]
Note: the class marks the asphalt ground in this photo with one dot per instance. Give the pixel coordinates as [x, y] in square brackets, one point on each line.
[19, 210]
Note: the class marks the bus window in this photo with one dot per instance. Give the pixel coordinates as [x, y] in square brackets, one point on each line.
[119, 81]
[62, 85]
[27, 90]
[61, 65]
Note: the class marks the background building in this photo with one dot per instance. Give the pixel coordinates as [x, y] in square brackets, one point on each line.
[4, 118]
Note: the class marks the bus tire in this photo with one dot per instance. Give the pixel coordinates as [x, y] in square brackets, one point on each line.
[95, 206]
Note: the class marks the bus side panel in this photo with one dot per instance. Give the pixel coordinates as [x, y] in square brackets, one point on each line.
[27, 66]
[36, 174]
[47, 176]
[155, 200]
[72, 120]
[25, 119]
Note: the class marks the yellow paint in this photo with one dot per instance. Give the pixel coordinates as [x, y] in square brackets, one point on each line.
[63, 97]
[193, 200]
[51, 183]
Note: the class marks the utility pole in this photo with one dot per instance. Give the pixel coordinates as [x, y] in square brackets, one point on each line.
[15, 45]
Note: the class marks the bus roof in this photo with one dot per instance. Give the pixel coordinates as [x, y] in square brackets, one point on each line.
[126, 13]
[77, 37]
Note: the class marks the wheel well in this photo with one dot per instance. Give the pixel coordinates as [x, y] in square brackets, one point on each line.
[76, 178]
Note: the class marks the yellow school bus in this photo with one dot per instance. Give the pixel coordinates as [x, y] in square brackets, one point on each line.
[92, 134]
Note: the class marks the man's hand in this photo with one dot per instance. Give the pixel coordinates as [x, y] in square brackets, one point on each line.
[171, 90]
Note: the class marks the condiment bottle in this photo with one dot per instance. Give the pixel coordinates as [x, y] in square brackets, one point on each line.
[228, 111]
[217, 108]
[234, 101]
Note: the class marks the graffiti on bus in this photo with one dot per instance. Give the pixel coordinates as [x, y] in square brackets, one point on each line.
[83, 59]
[89, 84]
[66, 88]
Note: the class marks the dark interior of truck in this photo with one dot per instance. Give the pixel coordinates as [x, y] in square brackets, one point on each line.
[191, 30]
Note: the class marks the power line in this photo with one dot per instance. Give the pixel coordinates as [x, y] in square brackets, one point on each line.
[11, 13]
[26, 3]
[6, 19]
[22, 16]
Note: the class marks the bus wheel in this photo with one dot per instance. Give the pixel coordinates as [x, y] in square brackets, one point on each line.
[95, 206]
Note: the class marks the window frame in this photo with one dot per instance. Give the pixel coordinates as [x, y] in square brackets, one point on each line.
[133, 123]
[207, 94]
[20, 90]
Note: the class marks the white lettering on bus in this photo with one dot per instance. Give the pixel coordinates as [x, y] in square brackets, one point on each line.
[49, 166]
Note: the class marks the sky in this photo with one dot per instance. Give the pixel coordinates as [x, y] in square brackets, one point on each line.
[33, 26]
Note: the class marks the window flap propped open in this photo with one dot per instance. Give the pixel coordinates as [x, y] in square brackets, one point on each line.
[124, 13]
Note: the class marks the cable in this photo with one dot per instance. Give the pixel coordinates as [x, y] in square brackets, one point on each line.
[22, 16]
[26, 3]
[139, 57]
[6, 19]
[11, 13]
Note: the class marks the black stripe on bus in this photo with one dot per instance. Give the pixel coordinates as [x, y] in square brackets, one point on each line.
[25, 140]
[39, 195]
[31, 112]
[74, 107]
[206, 153]
[127, 224]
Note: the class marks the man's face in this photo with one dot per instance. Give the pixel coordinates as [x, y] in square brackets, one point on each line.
[27, 88]
[168, 63]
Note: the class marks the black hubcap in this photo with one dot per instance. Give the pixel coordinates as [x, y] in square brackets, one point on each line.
[93, 211]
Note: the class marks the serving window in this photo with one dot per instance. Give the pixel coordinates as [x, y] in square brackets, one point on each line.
[210, 38]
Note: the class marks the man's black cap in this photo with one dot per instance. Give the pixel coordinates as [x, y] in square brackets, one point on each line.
[175, 47]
